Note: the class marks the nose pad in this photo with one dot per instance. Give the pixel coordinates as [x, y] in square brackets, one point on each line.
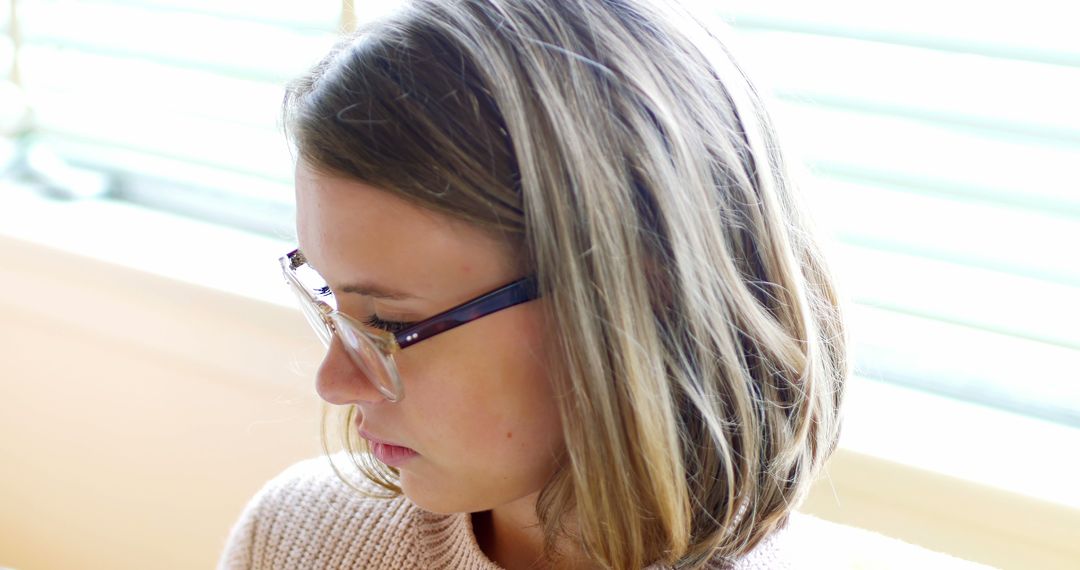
[340, 381]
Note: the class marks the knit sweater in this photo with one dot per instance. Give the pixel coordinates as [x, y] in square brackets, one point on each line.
[308, 518]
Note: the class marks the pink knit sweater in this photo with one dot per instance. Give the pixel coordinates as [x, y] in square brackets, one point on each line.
[307, 518]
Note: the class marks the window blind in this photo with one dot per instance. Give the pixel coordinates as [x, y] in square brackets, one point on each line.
[942, 139]
[177, 100]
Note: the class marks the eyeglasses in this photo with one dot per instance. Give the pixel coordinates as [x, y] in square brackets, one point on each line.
[372, 350]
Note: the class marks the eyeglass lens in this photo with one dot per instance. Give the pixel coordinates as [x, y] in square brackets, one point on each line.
[362, 351]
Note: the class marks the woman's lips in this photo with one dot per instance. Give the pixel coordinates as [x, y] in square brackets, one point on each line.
[392, 455]
[387, 452]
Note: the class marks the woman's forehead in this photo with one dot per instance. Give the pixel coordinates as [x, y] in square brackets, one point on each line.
[354, 232]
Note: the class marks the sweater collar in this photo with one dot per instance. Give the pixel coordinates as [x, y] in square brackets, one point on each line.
[448, 541]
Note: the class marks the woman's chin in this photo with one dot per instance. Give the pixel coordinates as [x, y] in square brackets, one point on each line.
[424, 497]
[440, 501]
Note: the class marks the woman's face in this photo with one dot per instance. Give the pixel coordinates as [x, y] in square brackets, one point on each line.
[479, 404]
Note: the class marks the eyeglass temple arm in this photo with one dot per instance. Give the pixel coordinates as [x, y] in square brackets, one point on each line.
[515, 293]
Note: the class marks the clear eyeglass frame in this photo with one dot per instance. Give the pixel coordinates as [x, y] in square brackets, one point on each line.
[373, 350]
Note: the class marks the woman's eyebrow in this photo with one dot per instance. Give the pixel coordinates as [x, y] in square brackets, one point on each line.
[377, 291]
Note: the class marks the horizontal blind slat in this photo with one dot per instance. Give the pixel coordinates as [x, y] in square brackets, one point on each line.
[214, 194]
[973, 297]
[315, 14]
[1021, 375]
[932, 157]
[55, 77]
[1046, 33]
[232, 147]
[1038, 245]
[999, 96]
[228, 45]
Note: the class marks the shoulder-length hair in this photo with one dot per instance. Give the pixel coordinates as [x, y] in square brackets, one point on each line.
[619, 148]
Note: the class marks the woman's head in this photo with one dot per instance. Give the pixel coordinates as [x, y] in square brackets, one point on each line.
[678, 382]
[476, 396]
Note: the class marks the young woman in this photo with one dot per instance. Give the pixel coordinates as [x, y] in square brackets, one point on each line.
[575, 314]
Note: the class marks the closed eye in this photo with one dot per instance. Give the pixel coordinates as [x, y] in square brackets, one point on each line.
[389, 326]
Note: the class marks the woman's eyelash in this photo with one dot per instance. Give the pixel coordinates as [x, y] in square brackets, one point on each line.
[372, 321]
[389, 326]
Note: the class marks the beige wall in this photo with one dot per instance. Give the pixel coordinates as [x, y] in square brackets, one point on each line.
[138, 414]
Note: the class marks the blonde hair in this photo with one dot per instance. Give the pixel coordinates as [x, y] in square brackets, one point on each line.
[622, 151]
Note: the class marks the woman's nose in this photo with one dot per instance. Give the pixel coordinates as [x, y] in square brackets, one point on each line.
[339, 381]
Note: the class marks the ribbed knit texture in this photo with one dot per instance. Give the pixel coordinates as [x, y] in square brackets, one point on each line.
[307, 518]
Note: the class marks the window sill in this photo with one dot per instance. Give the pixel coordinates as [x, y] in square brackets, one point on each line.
[183, 249]
[1018, 454]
